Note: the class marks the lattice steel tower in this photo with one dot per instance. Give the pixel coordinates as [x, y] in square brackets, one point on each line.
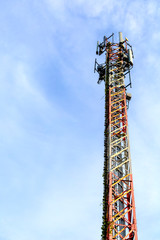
[119, 217]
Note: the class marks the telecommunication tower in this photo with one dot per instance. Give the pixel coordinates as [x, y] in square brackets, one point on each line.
[119, 216]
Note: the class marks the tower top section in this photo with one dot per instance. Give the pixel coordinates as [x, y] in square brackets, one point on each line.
[125, 56]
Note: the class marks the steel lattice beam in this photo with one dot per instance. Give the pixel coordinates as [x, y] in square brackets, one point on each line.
[119, 217]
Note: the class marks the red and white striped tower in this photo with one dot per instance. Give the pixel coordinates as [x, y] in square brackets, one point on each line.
[119, 216]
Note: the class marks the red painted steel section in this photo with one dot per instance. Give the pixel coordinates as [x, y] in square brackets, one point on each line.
[134, 210]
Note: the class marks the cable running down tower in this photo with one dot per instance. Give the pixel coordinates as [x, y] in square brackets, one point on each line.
[119, 216]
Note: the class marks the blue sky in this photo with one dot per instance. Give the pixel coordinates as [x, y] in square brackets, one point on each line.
[52, 116]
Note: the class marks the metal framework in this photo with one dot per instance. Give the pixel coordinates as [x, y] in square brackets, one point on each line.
[119, 217]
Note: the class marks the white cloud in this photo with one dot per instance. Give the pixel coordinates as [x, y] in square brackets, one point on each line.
[152, 7]
[58, 8]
